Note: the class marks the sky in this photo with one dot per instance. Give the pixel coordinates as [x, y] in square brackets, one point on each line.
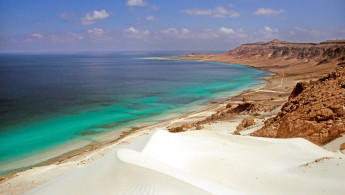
[200, 25]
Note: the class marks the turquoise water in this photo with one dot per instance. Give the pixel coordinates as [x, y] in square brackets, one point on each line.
[48, 100]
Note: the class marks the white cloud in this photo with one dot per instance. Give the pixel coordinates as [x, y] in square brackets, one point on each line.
[96, 31]
[218, 12]
[226, 30]
[185, 31]
[268, 12]
[229, 32]
[170, 31]
[221, 12]
[132, 30]
[76, 36]
[134, 33]
[268, 33]
[66, 15]
[270, 30]
[150, 18]
[37, 36]
[99, 34]
[91, 18]
[175, 32]
[136, 3]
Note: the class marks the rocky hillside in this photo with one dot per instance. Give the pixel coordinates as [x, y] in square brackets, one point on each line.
[315, 111]
[321, 53]
[281, 57]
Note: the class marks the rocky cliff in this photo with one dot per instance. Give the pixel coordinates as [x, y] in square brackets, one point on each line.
[315, 111]
[319, 53]
[282, 57]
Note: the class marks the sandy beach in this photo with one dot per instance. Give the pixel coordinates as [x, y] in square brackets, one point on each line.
[23, 181]
[266, 166]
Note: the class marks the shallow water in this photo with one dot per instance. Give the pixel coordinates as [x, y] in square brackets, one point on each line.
[47, 100]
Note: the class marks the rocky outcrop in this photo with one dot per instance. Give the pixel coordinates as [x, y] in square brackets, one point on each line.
[245, 123]
[315, 111]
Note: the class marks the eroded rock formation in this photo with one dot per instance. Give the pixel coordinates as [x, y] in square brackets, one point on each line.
[315, 111]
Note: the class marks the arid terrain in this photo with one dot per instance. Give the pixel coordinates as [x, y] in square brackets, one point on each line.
[311, 109]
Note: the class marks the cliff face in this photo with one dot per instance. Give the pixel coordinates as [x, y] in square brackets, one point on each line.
[319, 53]
[282, 57]
[314, 111]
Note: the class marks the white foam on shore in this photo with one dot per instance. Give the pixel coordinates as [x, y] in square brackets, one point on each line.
[204, 162]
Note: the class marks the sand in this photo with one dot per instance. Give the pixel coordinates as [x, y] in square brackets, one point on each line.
[207, 162]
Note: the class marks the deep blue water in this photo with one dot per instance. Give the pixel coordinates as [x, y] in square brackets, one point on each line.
[47, 100]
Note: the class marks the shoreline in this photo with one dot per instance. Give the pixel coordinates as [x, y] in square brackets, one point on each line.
[118, 135]
[65, 150]
[276, 90]
[104, 140]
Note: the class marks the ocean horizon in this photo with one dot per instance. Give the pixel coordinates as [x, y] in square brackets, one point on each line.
[49, 100]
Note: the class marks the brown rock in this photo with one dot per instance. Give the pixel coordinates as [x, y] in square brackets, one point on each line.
[324, 114]
[242, 107]
[314, 111]
[298, 89]
[246, 122]
[342, 146]
[229, 105]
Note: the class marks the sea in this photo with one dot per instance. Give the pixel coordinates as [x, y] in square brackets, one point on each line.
[50, 101]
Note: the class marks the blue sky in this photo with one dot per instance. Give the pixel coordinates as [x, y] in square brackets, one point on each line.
[115, 25]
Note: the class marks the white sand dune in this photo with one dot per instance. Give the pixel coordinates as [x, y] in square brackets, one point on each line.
[204, 162]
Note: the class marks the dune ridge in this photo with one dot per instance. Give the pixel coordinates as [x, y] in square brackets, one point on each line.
[204, 162]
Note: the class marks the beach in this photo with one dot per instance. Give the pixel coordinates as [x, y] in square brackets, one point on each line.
[196, 127]
[28, 179]
[90, 99]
